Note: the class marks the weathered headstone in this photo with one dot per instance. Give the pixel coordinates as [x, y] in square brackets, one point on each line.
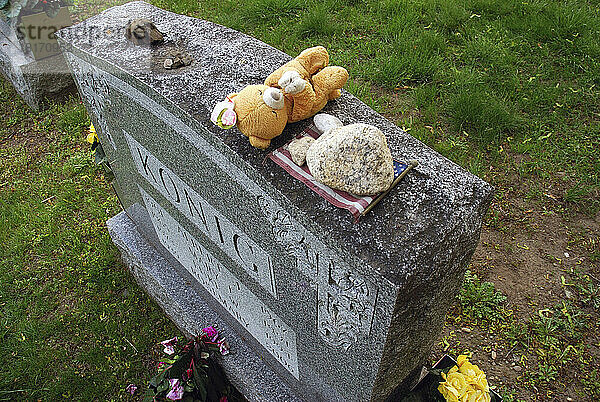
[30, 57]
[317, 308]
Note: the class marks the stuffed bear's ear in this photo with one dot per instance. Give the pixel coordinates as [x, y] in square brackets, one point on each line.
[223, 114]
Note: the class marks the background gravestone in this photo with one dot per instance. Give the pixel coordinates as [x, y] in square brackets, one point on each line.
[30, 57]
[317, 308]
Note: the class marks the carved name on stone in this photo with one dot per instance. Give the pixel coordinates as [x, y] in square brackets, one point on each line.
[262, 323]
[236, 244]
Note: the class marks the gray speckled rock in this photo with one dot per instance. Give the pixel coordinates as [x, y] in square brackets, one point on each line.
[324, 122]
[353, 158]
[142, 31]
[298, 149]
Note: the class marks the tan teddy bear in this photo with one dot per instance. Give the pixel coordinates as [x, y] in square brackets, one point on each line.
[296, 91]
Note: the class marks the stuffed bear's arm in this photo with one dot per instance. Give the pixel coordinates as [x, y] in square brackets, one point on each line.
[303, 104]
[309, 62]
[301, 92]
[273, 79]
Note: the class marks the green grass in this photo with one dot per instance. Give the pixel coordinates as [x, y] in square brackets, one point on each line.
[556, 342]
[507, 89]
[74, 325]
[480, 300]
[316, 24]
[507, 77]
[264, 11]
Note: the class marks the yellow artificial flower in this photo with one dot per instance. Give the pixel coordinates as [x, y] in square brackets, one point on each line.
[449, 393]
[461, 359]
[476, 396]
[454, 386]
[468, 369]
[465, 382]
[92, 136]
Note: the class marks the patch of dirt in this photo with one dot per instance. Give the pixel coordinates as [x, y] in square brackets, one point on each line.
[525, 248]
[34, 142]
[398, 105]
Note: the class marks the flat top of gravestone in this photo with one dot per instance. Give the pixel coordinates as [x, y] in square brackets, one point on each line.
[438, 201]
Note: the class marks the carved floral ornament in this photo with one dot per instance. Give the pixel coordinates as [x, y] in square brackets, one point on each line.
[346, 300]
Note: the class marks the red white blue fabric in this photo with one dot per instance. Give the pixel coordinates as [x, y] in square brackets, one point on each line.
[341, 199]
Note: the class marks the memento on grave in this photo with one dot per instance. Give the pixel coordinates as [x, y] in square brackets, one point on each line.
[353, 158]
[293, 92]
[143, 32]
[30, 57]
[315, 306]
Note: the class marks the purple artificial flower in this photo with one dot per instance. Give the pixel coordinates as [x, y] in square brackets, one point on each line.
[223, 399]
[168, 344]
[223, 347]
[131, 388]
[211, 332]
[176, 392]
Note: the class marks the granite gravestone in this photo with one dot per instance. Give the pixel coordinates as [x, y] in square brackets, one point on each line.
[316, 307]
[30, 57]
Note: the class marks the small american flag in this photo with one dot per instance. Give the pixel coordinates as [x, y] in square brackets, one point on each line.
[341, 199]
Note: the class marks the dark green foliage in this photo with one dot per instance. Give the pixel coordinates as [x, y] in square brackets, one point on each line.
[480, 300]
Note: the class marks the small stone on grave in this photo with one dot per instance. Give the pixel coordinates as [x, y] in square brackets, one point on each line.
[177, 59]
[142, 31]
[298, 149]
